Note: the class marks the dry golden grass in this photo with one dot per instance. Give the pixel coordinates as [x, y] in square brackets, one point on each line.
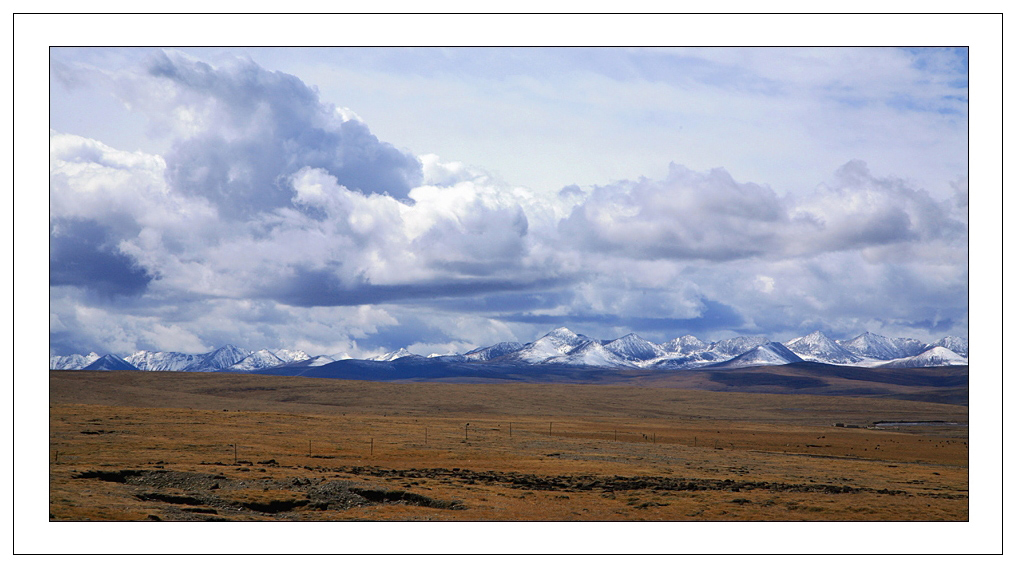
[531, 452]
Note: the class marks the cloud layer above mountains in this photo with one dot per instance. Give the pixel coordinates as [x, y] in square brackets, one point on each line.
[276, 219]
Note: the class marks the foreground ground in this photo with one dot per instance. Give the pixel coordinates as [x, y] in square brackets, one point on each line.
[181, 446]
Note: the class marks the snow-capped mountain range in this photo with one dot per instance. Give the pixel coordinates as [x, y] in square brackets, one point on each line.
[225, 358]
[565, 347]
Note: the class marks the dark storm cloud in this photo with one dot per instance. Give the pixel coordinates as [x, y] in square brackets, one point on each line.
[509, 302]
[84, 253]
[70, 341]
[252, 128]
[409, 330]
[715, 316]
[932, 326]
[322, 287]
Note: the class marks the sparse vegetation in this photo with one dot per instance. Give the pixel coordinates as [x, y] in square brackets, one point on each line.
[177, 446]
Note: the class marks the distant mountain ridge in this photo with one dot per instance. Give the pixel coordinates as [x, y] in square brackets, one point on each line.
[565, 348]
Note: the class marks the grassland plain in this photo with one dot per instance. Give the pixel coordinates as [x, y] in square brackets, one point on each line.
[208, 446]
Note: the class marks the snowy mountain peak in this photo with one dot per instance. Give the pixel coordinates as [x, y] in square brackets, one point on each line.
[817, 347]
[72, 362]
[770, 353]
[562, 338]
[261, 359]
[563, 346]
[391, 355]
[563, 334]
[934, 357]
[815, 337]
[738, 345]
[291, 355]
[561, 341]
[591, 353]
[876, 346]
[685, 345]
[957, 345]
[633, 348]
[163, 360]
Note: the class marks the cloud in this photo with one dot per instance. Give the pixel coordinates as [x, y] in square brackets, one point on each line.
[687, 215]
[83, 254]
[243, 130]
[859, 210]
[323, 288]
[278, 220]
[714, 317]
[709, 216]
[696, 252]
[91, 179]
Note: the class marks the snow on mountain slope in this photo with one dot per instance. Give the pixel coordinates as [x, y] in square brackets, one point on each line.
[72, 362]
[729, 348]
[684, 345]
[163, 360]
[310, 362]
[563, 346]
[817, 347]
[223, 357]
[493, 352]
[692, 361]
[391, 355]
[262, 359]
[909, 347]
[633, 348]
[771, 353]
[934, 357]
[874, 346]
[591, 353]
[559, 342]
[291, 355]
[957, 345]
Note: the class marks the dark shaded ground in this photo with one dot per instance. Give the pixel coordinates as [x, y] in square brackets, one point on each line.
[946, 385]
[187, 496]
[607, 483]
[191, 496]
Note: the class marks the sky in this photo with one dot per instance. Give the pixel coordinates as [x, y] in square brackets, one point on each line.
[351, 201]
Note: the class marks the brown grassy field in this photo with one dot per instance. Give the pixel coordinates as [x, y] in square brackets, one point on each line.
[201, 446]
